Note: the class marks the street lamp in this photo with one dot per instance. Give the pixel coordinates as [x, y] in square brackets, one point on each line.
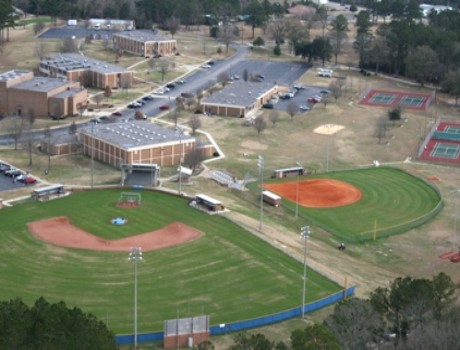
[135, 255]
[304, 234]
[180, 133]
[260, 165]
[297, 191]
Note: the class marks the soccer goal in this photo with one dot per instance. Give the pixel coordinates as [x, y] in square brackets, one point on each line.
[129, 200]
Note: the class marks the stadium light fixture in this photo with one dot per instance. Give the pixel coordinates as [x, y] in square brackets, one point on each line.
[304, 234]
[135, 255]
[261, 165]
[297, 191]
[180, 133]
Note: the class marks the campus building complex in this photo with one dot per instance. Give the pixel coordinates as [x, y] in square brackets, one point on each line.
[89, 72]
[144, 43]
[239, 99]
[21, 93]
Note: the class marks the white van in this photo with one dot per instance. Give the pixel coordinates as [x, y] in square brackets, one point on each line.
[326, 73]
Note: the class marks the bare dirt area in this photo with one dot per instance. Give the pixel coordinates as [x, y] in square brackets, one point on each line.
[318, 193]
[59, 231]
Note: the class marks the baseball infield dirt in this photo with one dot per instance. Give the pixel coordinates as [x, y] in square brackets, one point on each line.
[61, 232]
[317, 193]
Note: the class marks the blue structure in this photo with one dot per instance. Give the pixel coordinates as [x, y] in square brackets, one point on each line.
[248, 324]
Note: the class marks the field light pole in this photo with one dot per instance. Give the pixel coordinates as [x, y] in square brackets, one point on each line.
[457, 193]
[135, 255]
[180, 133]
[297, 192]
[328, 146]
[260, 165]
[304, 234]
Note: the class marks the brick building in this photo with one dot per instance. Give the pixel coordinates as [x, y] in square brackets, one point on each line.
[21, 93]
[144, 43]
[88, 71]
[136, 142]
[239, 99]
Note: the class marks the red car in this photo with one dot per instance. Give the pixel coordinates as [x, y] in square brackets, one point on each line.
[314, 99]
[117, 114]
[164, 107]
[29, 180]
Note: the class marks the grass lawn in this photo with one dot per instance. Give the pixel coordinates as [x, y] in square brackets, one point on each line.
[228, 273]
[393, 201]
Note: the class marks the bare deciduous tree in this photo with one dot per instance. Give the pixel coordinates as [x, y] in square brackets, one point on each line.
[260, 124]
[195, 123]
[173, 25]
[274, 117]
[15, 126]
[223, 78]
[335, 90]
[292, 108]
[194, 158]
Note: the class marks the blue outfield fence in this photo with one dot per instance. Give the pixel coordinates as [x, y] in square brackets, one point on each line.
[248, 324]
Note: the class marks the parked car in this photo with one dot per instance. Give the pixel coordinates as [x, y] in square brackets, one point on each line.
[170, 86]
[260, 76]
[206, 66]
[164, 107]
[4, 167]
[235, 77]
[117, 114]
[324, 91]
[13, 172]
[304, 108]
[299, 87]
[29, 180]
[147, 98]
[133, 105]
[181, 81]
[268, 105]
[95, 121]
[314, 99]
[211, 63]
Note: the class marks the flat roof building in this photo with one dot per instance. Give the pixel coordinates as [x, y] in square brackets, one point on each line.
[144, 43]
[21, 93]
[239, 99]
[135, 142]
[86, 70]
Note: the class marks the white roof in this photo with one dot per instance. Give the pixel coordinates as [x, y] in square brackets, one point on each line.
[208, 199]
[271, 195]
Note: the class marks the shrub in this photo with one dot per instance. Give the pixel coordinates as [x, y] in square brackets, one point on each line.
[258, 42]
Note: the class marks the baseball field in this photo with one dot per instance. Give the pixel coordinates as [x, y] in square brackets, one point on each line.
[391, 201]
[226, 272]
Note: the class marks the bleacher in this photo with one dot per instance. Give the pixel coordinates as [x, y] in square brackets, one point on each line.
[446, 136]
[221, 177]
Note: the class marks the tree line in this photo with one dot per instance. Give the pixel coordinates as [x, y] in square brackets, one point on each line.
[411, 313]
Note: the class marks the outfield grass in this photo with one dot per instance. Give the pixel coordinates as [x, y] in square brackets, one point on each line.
[228, 273]
[393, 201]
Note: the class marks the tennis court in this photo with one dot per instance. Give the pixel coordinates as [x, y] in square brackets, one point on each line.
[445, 150]
[442, 144]
[405, 99]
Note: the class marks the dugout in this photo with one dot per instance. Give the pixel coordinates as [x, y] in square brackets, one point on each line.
[46, 192]
[209, 203]
[288, 172]
[140, 174]
[271, 198]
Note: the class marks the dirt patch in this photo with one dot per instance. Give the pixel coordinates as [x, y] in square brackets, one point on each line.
[61, 232]
[317, 193]
[253, 145]
[433, 178]
[328, 129]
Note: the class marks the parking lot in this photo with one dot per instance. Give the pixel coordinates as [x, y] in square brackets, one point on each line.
[7, 183]
[300, 98]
